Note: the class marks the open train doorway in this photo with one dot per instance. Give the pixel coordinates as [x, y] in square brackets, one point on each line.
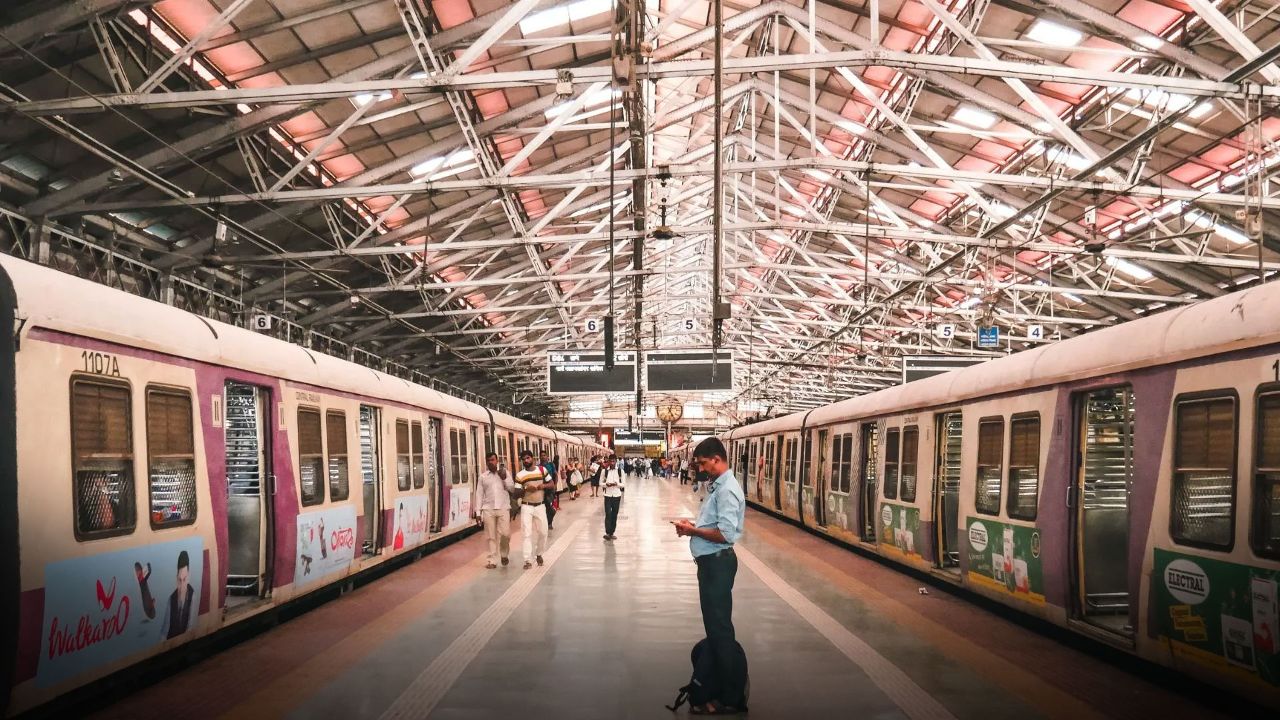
[1100, 498]
[946, 487]
[249, 480]
[371, 479]
[867, 487]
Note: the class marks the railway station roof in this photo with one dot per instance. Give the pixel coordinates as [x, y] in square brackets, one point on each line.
[454, 188]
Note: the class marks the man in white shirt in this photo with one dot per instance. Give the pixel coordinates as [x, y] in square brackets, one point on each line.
[533, 513]
[495, 509]
[613, 480]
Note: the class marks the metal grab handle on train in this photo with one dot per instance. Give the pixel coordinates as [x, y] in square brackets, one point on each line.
[271, 484]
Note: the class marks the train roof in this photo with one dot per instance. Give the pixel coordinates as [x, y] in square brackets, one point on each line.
[54, 300]
[1241, 320]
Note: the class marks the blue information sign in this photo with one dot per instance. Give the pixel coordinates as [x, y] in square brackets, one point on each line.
[988, 337]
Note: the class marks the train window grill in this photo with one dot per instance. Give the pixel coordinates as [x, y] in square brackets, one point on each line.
[846, 462]
[806, 460]
[1024, 467]
[171, 457]
[892, 442]
[102, 450]
[419, 462]
[1266, 491]
[457, 456]
[910, 459]
[1108, 462]
[990, 459]
[244, 458]
[1204, 472]
[789, 463]
[404, 464]
[835, 462]
[768, 460]
[336, 434]
[951, 428]
[368, 473]
[310, 456]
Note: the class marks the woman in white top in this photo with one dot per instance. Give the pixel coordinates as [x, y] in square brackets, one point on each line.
[575, 479]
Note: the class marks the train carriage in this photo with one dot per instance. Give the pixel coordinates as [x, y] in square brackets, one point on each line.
[1124, 484]
[169, 476]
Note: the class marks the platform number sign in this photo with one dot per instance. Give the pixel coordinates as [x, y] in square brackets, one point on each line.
[689, 325]
[260, 322]
[946, 331]
[1035, 332]
[592, 326]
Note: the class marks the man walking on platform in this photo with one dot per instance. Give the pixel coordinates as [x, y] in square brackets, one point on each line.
[549, 499]
[533, 513]
[614, 482]
[711, 539]
[494, 503]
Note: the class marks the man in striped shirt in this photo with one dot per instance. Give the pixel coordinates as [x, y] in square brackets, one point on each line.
[533, 514]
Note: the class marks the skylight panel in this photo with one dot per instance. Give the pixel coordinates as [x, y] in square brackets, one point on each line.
[426, 167]
[587, 8]
[1133, 270]
[366, 98]
[974, 117]
[542, 20]
[1054, 34]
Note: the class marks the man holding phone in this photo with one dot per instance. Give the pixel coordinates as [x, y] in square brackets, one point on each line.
[711, 539]
[614, 482]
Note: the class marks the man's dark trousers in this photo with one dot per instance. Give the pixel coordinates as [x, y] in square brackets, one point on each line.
[715, 594]
[611, 505]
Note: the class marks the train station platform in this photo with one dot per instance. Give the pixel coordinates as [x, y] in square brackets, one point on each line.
[605, 628]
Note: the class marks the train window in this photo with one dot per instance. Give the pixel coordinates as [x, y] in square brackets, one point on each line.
[336, 433]
[846, 462]
[990, 459]
[171, 457]
[310, 456]
[1024, 466]
[404, 464]
[102, 459]
[910, 457]
[1204, 472]
[891, 444]
[419, 463]
[457, 456]
[789, 463]
[1266, 490]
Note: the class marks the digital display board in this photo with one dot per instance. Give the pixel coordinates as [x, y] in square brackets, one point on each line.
[583, 372]
[689, 370]
[918, 367]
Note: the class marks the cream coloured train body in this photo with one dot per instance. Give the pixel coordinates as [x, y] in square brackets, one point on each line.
[1124, 484]
[165, 476]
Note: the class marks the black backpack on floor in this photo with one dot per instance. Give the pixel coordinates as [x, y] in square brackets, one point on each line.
[704, 685]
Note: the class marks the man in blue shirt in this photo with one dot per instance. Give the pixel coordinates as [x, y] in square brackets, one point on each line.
[711, 539]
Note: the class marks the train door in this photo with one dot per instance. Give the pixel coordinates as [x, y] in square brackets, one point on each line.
[753, 473]
[790, 489]
[249, 509]
[806, 477]
[472, 472]
[435, 471]
[946, 489]
[371, 479]
[822, 483]
[777, 472]
[867, 489]
[509, 452]
[1100, 497]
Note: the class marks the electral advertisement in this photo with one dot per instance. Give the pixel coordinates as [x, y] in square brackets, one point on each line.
[900, 528]
[411, 522]
[1219, 612]
[1006, 557]
[326, 543]
[102, 608]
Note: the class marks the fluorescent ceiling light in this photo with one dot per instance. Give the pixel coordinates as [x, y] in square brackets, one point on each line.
[1054, 34]
[1161, 98]
[1232, 234]
[426, 167]
[970, 302]
[1200, 110]
[1072, 297]
[973, 117]
[819, 174]
[851, 126]
[1150, 42]
[1133, 270]
[599, 97]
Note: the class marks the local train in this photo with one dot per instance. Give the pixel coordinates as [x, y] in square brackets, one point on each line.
[164, 476]
[1124, 484]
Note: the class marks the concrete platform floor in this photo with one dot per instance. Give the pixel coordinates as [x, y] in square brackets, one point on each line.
[604, 631]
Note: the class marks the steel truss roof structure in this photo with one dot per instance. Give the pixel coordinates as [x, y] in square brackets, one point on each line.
[452, 188]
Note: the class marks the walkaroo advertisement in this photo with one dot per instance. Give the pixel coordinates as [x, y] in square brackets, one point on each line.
[105, 607]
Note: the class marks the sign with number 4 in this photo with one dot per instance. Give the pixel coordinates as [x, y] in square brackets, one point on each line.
[1035, 332]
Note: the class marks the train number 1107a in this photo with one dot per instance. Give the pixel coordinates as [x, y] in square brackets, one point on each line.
[100, 363]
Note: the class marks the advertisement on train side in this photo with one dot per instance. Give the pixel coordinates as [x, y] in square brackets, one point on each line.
[102, 608]
[1218, 613]
[900, 528]
[411, 522]
[326, 543]
[1005, 558]
[459, 507]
